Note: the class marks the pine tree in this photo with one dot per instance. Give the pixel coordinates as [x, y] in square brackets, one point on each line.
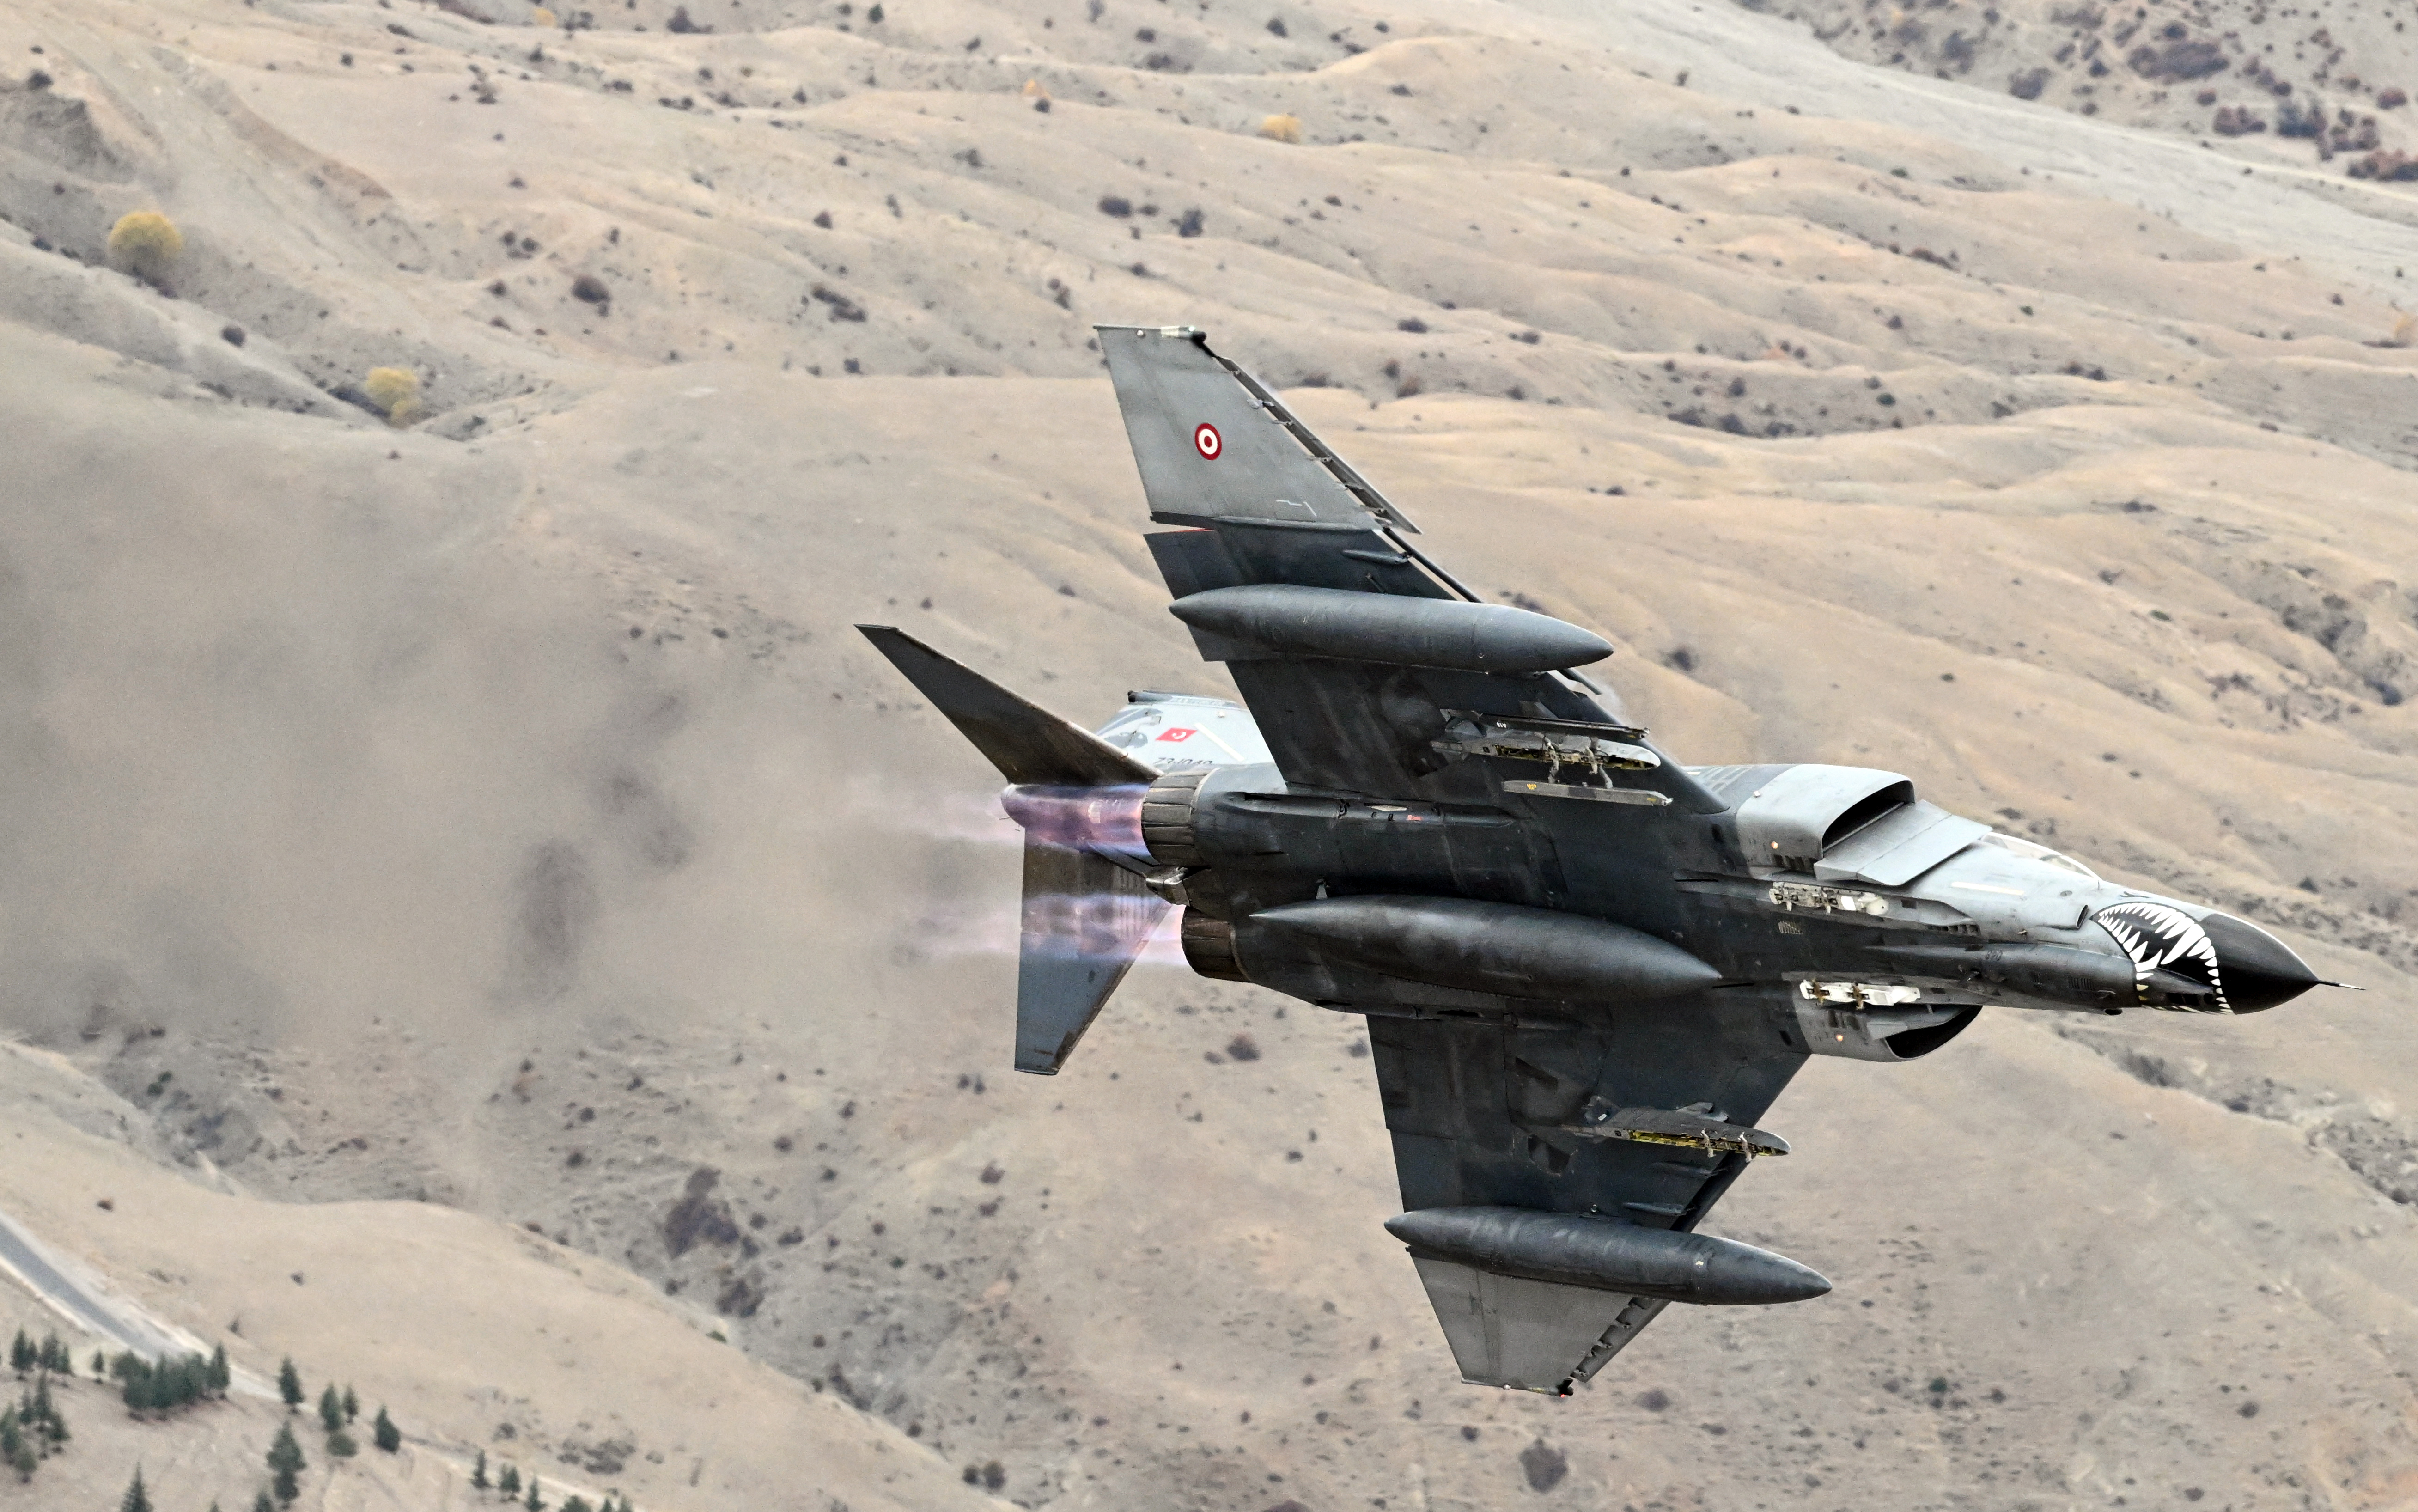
[352, 1404]
[100, 1364]
[285, 1459]
[390, 1437]
[54, 1355]
[137, 1499]
[332, 1410]
[478, 1473]
[289, 1384]
[574, 1504]
[532, 1500]
[510, 1481]
[221, 1374]
[262, 1502]
[340, 1445]
[20, 1353]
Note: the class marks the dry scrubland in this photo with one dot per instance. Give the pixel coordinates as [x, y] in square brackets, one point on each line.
[2330, 80]
[486, 824]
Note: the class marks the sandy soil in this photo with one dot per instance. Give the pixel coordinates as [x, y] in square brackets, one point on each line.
[495, 822]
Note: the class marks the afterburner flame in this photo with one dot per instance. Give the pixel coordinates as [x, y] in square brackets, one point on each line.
[1106, 819]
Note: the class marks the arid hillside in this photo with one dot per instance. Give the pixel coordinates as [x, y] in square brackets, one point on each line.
[492, 819]
[2332, 81]
[475, 1337]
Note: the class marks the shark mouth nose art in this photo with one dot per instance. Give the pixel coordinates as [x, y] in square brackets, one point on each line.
[2241, 968]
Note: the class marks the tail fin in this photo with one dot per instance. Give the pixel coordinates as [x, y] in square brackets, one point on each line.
[1087, 914]
[1026, 742]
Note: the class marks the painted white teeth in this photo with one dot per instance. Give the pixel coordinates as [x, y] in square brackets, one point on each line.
[2158, 936]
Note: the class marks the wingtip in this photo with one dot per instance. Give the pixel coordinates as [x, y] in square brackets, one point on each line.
[1193, 332]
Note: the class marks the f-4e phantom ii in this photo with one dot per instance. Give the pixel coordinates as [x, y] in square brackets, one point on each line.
[1587, 969]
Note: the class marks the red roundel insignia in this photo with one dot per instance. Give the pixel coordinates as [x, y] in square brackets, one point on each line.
[1206, 439]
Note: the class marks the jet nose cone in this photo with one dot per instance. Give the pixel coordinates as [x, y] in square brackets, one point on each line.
[2215, 962]
[2255, 969]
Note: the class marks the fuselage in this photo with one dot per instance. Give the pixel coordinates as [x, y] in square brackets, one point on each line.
[1871, 924]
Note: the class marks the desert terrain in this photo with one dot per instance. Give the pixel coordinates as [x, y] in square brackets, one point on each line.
[2329, 80]
[473, 864]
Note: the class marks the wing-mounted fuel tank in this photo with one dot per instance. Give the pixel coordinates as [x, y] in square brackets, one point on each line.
[1292, 620]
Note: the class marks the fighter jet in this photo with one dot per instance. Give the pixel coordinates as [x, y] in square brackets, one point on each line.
[1587, 969]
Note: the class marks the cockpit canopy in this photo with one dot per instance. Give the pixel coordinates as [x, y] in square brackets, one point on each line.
[2034, 850]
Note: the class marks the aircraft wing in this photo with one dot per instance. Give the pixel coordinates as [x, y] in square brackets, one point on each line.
[1486, 1119]
[1267, 502]
[1487, 1115]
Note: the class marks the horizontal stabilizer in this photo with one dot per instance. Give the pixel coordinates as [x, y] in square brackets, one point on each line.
[1086, 920]
[1027, 743]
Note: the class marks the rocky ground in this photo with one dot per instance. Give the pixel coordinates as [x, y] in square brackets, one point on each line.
[495, 821]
